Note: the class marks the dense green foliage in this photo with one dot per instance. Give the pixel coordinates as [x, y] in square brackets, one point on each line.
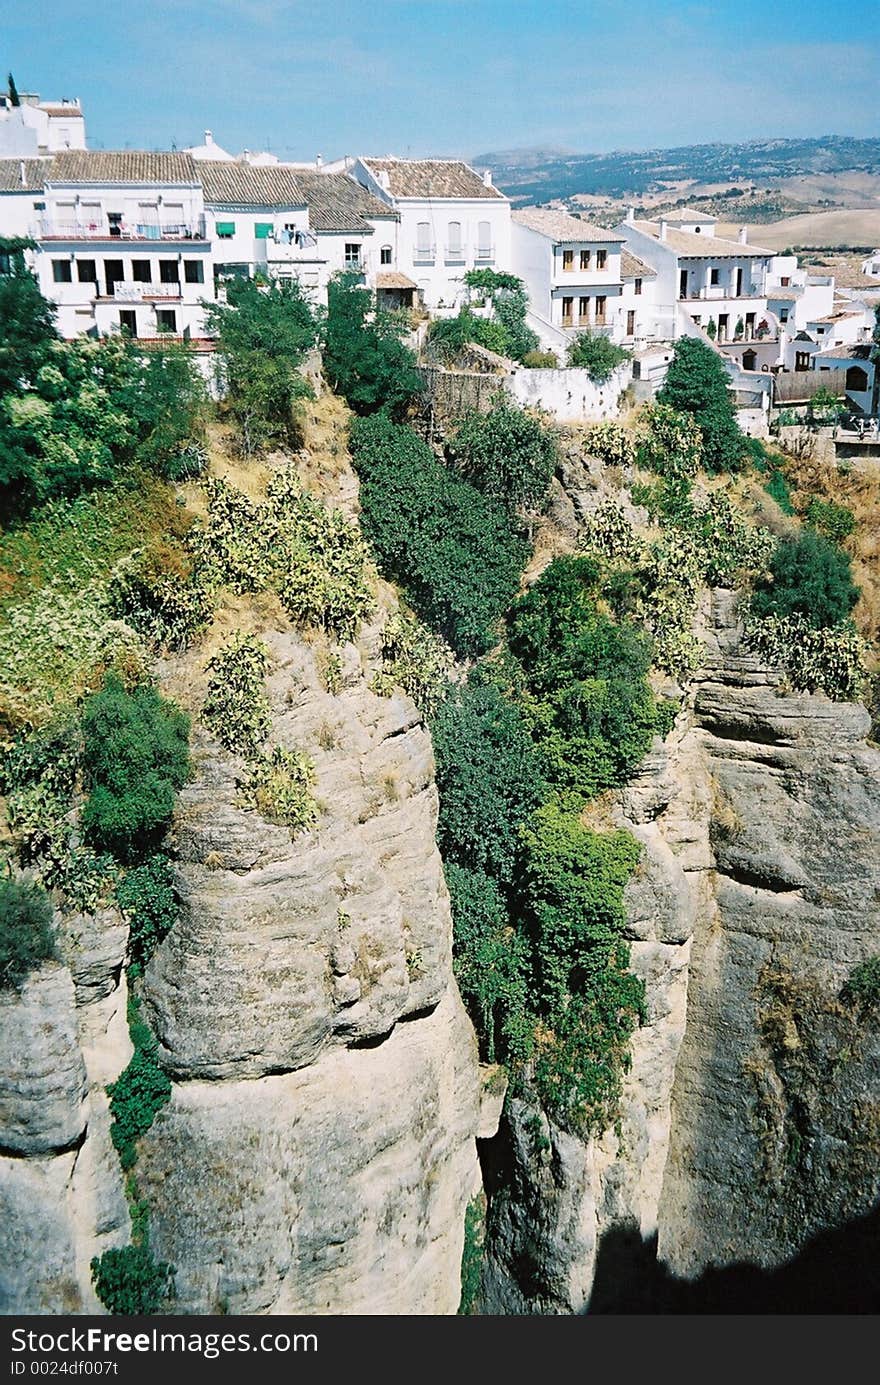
[415, 659]
[135, 755]
[778, 489]
[130, 1282]
[449, 335]
[697, 384]
[809, 577]
[833, 521]
[610, 442]
[147, 899]
[236, 708]
[472, 1254]
[510, 303]
[74, 414]
[585, 677]
[507, 453]
[671, 443]
[264, 332]
[364, 357]
[26, 935]
[454, 551]
[139, 1092]
[599, 356]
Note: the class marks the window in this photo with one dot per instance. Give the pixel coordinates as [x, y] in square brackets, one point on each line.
[637, 287]
[385, 254]
[166, 320]
[568, 261]
[601, 300]
[352, 255]
[225, 230]
[601, 258]
[567, 304]
[453, 239]
[631, 323]
[583, 309]
[194, 271]
[714, 276]
[484, 240]
[750, 324]
[128, 321]
[90, 216]
[750, 360]
[802, 360]
[113, 274]
[87, 271]
[173, 224]
[263, 230]
[141, 271]
[783, 314]
[62, 271]
[169, 272]
[424, 249]
[585, 259]
[785, 281]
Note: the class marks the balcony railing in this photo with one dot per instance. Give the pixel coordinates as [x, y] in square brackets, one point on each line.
[714, 292]
[424, 254]
[455, 254]
[484, 253]
[50, 229]
[598, 329]
[135, 291]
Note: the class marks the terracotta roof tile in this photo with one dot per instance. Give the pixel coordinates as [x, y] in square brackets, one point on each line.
[562, 228]
[10, 175]
[432, 178]
[238, 183]
[337, 203]
[138, 166]
[692, 245]
[631, 267]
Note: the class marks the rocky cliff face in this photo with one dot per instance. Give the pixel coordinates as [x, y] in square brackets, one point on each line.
[750, 1117]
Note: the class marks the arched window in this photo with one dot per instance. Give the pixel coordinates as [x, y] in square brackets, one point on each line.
[484, 240]
[385, 254]
[423, 239]
[453, 238]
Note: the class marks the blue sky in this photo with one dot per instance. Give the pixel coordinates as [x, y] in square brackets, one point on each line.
[449, 76]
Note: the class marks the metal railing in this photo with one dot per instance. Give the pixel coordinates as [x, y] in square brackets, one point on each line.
[49, 228]
[136, 291]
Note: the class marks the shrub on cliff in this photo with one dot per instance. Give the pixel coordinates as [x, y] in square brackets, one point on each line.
[507, 453]
[455, 552]
[597, 355]
[135, 755]
[26, 935]
[364, 357]
[697, 384]
[810, 577]
[130, 1282]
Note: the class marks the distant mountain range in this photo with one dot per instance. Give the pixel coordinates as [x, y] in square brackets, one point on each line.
[539, 175]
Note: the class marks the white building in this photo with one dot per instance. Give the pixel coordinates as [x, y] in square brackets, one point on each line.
[707, 277]
[122, 244]
[21, 195]
[452, 219]
[289, 223]
[580, 278]
[40, 127]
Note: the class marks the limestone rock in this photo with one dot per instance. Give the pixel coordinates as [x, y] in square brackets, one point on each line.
[93, 945]
[42, 1075]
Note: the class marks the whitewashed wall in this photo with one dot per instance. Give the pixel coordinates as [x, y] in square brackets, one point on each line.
[569, 394]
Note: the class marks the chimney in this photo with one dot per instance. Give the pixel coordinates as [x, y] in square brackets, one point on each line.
[487, 178]
[384, 180]
[743, 235]
[209, 138]
[23, 174]
[319, 162]
[630, 216]
[663, 227]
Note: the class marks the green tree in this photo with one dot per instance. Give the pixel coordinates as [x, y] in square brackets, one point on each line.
[26, 934]
[492, 964]
[449, 335]
[598, 355]
[130, 1282]
[592, 710]
[135, 755]
[264, 333]
[809, 577]
[27, 324]
[364, 357]
[510, 304]
[507, 453]
[453, 549]
[697, 384]
[170, 410]
[671, 443]
[14, 98]
[147, 899]
[488, 777]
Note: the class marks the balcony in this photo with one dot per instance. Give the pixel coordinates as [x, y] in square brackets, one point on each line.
[135, 291]
[424, 254]
[596, 329]
[48, 229]
[712, 293]
[484, 254]
[455, 254]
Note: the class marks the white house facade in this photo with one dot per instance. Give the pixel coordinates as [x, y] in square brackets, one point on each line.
[122, 243]
[451, 220]
[572, 272]
[40, 127]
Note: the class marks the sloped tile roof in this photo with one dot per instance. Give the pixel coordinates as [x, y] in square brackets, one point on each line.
[138, 166]
[393, 279]
[631, 267]
[53, 109]
[562, 228]
[238, 183]
[10, 175]
[337, 203]
[432, 178]
[692, 245]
